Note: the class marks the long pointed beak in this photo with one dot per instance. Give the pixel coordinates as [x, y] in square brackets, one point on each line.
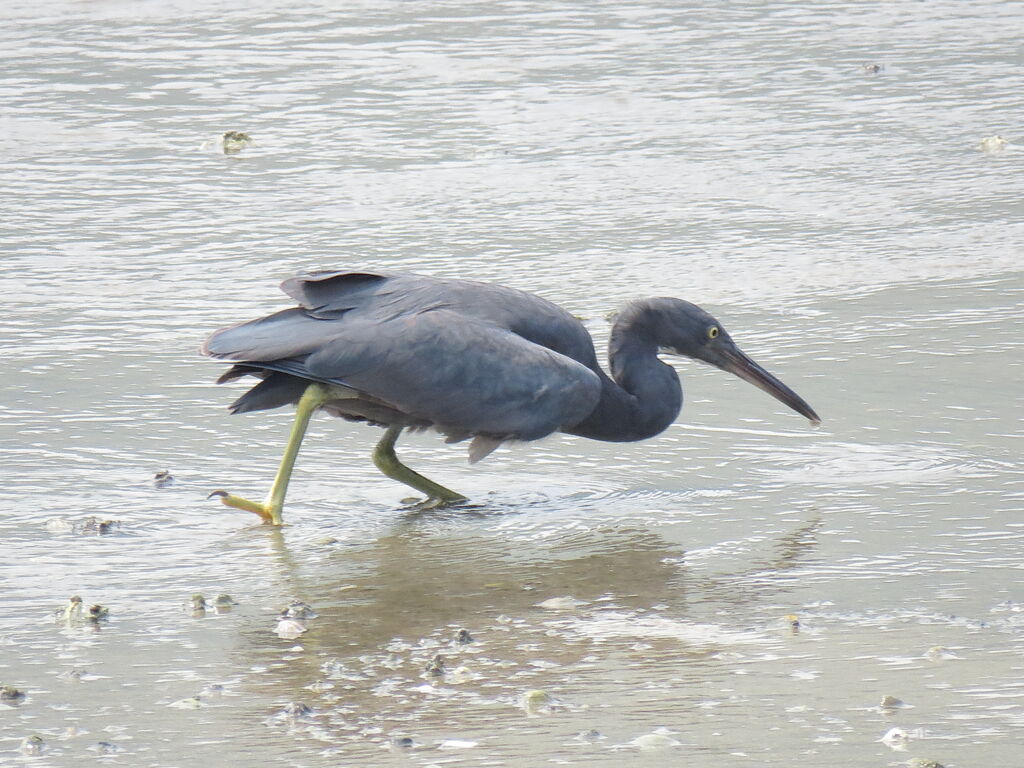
[736, 362]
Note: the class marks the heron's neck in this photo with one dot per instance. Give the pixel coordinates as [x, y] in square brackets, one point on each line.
[643, 396]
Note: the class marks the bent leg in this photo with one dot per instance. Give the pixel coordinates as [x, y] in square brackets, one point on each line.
[387, 462]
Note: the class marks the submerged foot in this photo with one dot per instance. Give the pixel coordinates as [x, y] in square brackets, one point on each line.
[266, 512]
[425, 505]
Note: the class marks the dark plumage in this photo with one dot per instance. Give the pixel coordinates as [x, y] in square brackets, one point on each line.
[474, 360]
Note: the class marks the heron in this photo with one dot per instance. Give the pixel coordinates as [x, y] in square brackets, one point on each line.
[474, 361]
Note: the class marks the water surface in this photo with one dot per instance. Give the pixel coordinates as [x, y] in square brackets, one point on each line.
[840, 221]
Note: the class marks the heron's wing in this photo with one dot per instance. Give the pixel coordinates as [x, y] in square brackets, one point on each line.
[325, 298]
[346, 296]
[461, 374]
[335, 291]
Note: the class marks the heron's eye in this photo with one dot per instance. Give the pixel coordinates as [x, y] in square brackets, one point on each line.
[713, 332]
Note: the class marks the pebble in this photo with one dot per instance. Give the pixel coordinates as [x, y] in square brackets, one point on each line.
[234, 142]
[289, 629]
[297, 609]
[993, 144]
[11, 695]
[435, 667]
[163, 478]
[536, 701]
[33, 745]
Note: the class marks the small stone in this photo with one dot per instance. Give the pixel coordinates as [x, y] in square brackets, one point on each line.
[993, 144]
[435, 667]
[297, 609]
[11, 695]
[891, 702]
[536, 701]
[72, 611]
[95, 525]
[33, 745]
[234, 142]
[402, 742]
[289, 629]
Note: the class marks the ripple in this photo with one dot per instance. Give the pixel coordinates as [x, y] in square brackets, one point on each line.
[843, 225]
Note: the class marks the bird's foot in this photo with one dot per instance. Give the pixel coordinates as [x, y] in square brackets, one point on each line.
[268, 513]
[432, 503]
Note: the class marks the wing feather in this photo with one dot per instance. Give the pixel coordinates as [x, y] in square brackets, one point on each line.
[471, 358]
[463, 375]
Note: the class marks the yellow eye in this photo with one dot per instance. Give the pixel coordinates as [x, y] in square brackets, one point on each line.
[713, 332]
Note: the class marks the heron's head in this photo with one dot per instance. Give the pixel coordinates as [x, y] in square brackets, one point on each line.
[683, 328]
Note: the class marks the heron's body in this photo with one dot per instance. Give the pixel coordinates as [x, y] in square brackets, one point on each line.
[471, 360]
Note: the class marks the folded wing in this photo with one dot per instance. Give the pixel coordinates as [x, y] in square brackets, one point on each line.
[463, 376]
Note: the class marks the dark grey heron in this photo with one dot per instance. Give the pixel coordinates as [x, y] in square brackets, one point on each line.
[471, 360]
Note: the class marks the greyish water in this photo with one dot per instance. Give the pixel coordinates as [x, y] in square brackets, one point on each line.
[839, 217]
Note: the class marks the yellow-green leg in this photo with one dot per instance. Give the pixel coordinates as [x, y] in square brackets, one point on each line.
[387, 462]
[270, 510]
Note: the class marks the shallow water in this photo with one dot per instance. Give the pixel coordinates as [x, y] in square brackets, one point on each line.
[841, 222]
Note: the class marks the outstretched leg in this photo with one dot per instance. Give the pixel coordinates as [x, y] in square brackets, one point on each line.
[387, 462]
[270, 510]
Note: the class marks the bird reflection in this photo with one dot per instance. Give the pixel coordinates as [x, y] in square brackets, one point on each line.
[413, 580]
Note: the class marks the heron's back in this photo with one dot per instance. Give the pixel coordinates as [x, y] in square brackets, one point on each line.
[468, 357]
